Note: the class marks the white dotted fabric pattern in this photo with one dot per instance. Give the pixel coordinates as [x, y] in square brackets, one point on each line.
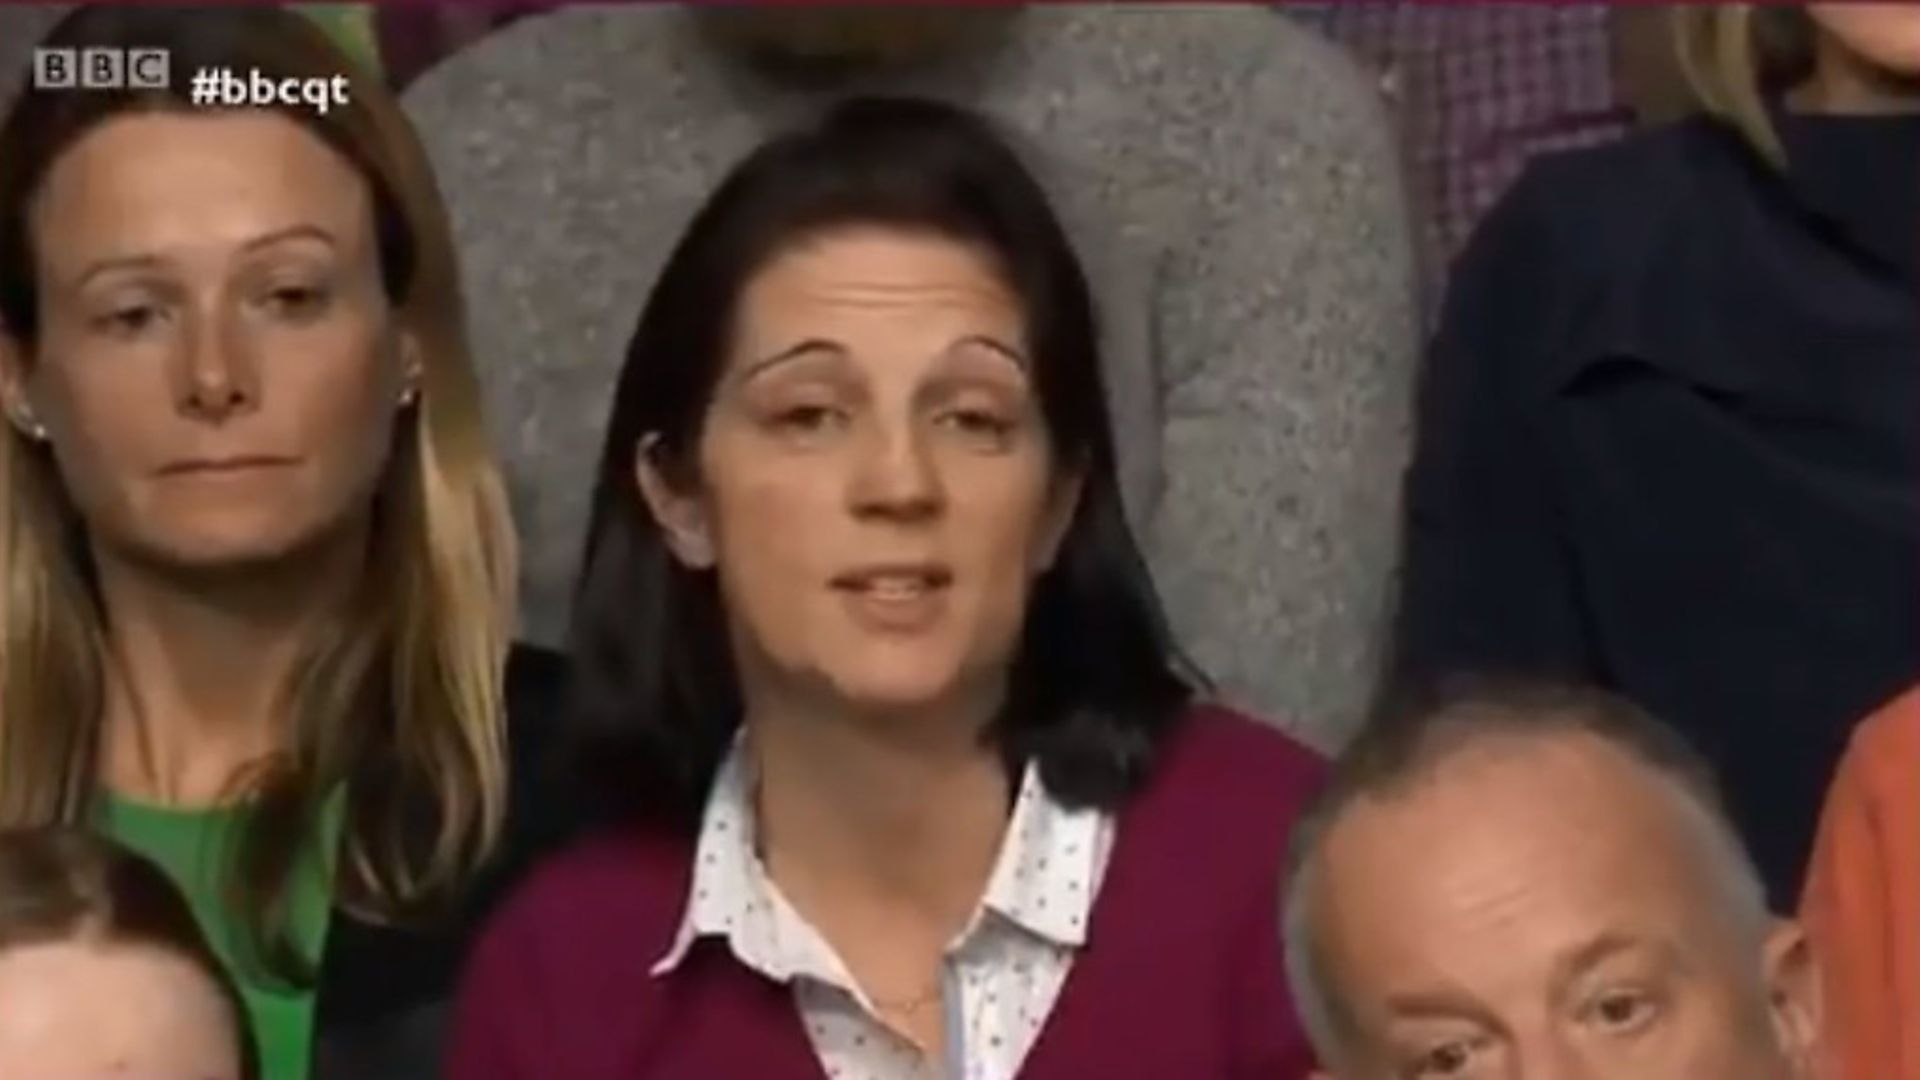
[1004, 970]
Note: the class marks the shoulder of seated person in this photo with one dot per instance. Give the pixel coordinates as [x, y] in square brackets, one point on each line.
[1156, 43]
[1888, 741]
[1596, 187]
[1239, 756]
[1590, 231]
[628, 883]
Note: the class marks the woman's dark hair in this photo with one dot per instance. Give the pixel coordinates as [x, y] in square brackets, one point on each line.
[1096, 681]
[60, 885]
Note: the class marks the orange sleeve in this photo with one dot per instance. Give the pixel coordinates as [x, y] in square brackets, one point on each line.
[1861, 907]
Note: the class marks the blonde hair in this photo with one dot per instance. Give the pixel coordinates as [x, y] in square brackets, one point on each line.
[1736, 56]
[401, 698]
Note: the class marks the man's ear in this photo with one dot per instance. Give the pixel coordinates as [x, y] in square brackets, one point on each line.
[681, 515]
[1794, 998]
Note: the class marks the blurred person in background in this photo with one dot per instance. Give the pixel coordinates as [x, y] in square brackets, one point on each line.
[1520, 881]
[257, 553]
[412, 38]
[1476, 90]
[103, 970]
[912, 779]
[1666, 435]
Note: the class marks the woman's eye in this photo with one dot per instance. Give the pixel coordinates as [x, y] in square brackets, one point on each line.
[979, 421]
[129, 320]
[807, 417]
[980, 426]
[295, 301]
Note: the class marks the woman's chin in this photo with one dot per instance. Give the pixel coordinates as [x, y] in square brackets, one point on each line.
[892, 699]
[229, 551]
[897, 688]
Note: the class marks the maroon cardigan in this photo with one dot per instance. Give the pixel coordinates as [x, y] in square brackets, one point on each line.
[1181, 976]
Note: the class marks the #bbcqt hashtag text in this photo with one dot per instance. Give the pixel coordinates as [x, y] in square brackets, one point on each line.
[221, 86]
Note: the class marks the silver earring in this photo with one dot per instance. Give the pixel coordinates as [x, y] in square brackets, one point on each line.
[33, 429]
[408, 395]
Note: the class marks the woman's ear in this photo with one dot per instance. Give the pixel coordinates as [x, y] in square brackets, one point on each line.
[1063, 498]
[681, 515]
[412, 366]
[13, 388]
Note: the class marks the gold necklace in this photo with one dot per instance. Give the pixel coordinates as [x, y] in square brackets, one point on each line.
[908, 1005]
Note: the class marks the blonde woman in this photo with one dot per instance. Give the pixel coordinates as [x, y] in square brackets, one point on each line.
[256, 558]
[1668, 439]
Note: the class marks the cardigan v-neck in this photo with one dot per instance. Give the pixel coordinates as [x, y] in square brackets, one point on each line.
[1181, 975]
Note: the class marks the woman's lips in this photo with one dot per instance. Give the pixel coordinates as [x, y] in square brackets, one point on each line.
[895, 598]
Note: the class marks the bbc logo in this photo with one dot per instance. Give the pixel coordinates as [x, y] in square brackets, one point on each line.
[101, 69]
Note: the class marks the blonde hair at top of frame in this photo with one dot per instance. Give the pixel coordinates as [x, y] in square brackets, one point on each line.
[1736, 57]
[402, 693]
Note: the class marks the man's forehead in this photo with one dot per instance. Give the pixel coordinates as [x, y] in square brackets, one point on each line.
[1556, 769]
[1537, 828]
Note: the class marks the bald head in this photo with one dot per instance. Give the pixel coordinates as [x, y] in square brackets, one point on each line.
[1530, 875]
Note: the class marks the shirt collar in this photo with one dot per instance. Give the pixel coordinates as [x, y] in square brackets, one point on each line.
[731, 897]
[1043, 880]
[1046, 873]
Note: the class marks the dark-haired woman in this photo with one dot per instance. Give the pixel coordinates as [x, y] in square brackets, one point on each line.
[913, 784]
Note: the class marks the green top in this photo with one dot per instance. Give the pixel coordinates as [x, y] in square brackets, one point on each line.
[192, 847]
[352, 28]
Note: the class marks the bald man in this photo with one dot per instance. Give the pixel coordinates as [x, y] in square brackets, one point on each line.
[1533, 882]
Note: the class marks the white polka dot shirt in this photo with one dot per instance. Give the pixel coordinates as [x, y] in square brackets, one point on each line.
[1002, 972]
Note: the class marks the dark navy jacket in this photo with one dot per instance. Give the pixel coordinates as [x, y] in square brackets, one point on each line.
[1669, 440]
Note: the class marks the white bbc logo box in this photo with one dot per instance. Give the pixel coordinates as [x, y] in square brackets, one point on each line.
[101, 69]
